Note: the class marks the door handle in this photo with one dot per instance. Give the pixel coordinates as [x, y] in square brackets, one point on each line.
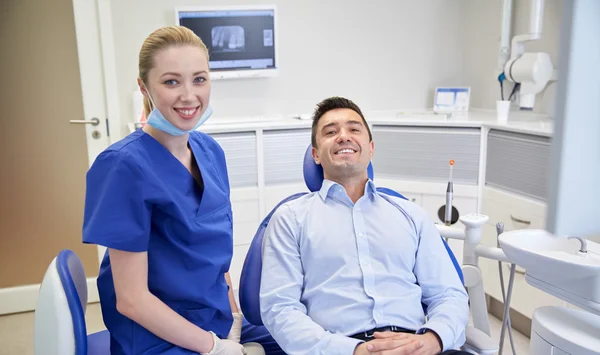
[94, 121]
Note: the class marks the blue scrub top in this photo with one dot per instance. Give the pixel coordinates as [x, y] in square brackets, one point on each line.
[140, 198]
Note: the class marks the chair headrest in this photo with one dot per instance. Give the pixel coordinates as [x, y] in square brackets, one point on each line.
[313, 172]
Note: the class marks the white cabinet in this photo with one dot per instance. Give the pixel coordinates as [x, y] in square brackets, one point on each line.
[265, 166]
[423, 153]
[515, 212]
[515, 195]
[246, 219]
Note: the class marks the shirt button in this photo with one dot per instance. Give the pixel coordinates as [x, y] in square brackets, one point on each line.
[361, 235]
[357, 209]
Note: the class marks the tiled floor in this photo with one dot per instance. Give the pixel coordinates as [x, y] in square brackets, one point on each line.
[520, 340]
[16, 332]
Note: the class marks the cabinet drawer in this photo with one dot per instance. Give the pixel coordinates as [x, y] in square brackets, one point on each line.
[284, 155]
[423, 153]
[518, 162]
[243, 232]
[513, 211]
[237, 263]
[240, 156]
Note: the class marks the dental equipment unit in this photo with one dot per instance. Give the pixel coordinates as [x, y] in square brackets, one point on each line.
[473, 281]
[530, 71]
[558, 259]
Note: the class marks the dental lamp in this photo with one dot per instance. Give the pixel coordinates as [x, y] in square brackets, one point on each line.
[532, 71]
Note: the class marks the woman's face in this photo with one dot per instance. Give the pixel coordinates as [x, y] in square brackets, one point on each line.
[179, 84]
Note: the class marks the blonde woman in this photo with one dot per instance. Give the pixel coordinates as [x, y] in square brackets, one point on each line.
[159, 201]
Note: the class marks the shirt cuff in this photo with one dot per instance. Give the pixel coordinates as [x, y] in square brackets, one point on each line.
[443, 331]
[342, 345]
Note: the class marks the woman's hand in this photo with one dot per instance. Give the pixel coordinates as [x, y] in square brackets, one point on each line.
[235, 334]
[226, 347]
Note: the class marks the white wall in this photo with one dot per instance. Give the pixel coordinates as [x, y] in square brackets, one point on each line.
[482, 20]
[385, 54]
[382, 54]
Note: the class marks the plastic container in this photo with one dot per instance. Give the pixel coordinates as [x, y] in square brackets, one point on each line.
[502, 109]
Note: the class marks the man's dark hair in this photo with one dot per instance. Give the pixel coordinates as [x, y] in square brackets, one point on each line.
[333, 103]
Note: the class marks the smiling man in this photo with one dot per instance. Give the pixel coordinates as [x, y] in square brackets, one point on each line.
[347, 269]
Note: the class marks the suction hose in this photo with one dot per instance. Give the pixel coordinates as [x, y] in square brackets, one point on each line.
[505, 297]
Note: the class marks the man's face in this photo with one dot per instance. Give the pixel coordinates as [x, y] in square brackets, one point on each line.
[343, 147]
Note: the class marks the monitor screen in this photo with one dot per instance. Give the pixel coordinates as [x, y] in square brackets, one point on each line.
[241, 42]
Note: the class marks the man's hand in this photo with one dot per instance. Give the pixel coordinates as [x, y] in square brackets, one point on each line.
[390, 343]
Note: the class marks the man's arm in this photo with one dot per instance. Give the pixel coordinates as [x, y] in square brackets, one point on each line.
[281, 289]
[443, 293]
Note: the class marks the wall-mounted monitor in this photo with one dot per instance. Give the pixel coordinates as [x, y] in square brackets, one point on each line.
[241, 40]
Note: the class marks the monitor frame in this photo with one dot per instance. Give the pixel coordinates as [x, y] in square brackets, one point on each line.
[217, 74]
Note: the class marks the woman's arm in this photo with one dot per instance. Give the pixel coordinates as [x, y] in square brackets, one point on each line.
[232, 302]
[134, 300]
[235, 333]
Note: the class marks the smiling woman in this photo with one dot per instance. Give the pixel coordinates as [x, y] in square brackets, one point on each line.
[177, 76]
[159, 201]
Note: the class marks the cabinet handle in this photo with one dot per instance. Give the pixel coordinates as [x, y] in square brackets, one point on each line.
[519, 220]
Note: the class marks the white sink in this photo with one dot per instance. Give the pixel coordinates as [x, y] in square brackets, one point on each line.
[555, 265]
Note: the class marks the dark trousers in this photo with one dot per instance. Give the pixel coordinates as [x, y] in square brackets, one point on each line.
[259, 334]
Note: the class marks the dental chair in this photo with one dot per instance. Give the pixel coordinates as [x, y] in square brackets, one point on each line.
[477, 341]
[59, 326]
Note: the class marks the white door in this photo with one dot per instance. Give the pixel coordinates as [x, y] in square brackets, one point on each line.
[96, 66]
[52, 59]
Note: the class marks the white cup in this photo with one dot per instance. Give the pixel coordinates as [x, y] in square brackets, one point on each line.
[502, 109]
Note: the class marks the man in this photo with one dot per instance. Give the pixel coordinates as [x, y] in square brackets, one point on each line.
[346, 269]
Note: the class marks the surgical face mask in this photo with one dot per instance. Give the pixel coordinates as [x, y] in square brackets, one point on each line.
[158, 121]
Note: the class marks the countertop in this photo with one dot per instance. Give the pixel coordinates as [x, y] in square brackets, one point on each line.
[520, 122]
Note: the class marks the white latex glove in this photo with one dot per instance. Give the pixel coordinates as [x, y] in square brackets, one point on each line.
[225, 347]
[235, 334]
[254, 349]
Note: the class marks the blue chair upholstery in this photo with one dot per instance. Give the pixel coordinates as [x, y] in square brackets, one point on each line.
[72, 277]
[251, 270]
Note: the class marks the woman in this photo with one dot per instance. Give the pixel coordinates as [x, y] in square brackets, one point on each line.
[159, 201]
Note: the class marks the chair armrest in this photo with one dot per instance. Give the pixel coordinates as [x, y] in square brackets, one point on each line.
[479, 342]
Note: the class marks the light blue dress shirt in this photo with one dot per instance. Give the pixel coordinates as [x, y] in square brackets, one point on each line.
[332, 268]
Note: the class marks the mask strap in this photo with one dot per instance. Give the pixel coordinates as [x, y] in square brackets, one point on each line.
[149, 96]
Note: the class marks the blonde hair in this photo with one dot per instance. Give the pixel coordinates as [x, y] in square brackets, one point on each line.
[161, 39]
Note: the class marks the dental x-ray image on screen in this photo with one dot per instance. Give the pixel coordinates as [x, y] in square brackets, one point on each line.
[228, 39]
[240, 41]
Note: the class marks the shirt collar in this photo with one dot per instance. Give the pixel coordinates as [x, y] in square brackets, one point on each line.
[330, 187]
